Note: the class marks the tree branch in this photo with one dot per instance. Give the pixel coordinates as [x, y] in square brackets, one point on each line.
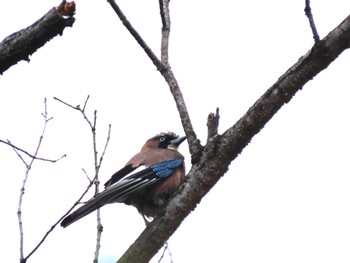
[20, 45]
[165, 69]
[165, 16]
[97, 183]
[59, 220]
[22, 190]
[136, 35]
[221, 150]
[8, 142]
[310, 17]
[97, 165]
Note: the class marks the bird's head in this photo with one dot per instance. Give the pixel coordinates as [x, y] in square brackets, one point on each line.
[165, 140]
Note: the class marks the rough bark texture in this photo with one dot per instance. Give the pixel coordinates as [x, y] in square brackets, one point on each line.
[221, 150]
[20, 45]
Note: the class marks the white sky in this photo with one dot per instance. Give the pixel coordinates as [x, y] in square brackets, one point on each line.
[285, 199]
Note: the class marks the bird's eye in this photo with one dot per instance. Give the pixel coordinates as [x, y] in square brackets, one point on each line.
[162, 139]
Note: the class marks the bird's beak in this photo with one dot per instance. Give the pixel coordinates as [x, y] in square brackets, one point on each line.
[176, 142]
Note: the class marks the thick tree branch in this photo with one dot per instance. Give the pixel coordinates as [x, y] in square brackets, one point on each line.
[20, 45]
[221, 150]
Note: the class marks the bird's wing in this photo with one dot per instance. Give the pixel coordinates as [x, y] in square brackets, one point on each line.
[122, 187]
[140, 179]
[120, 174]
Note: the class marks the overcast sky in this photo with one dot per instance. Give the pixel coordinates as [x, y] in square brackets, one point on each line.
[284, 199]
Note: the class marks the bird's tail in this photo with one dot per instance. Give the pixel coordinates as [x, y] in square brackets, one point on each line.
[82, 211]
[115, 193]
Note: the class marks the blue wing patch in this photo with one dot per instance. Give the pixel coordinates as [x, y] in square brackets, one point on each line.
[166, 168]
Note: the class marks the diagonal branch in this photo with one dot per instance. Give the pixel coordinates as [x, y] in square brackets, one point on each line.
[221, 150]
[136, 35]
[31, 155]
[310, 17]
[165, 69]
[59, 220]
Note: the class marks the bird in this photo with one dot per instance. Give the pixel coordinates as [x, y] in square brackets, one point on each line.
[146, 182]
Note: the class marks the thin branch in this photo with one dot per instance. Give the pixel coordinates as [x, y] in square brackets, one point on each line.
[98, 236]
[19, 216]
[87, 176]
[97, 190]
[166, 248]
[60, 219]
[20, 45]
[82, 111]
[310, 17]
[136, 35]
[93, 129]
[71, 106]
[8, 142]
[106, 144]
[85, 103]
[165, 69]
[195, 146]
[166, 24]
[22, 190]
[20, 156]
[97, 165]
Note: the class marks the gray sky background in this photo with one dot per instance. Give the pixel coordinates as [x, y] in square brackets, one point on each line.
[284, 199]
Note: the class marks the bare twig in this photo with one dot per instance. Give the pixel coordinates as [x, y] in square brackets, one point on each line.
[309, 15]
[97, 165]
[82, 111]
[97, 168]
[87, 176]
[166, 248]
[20, 156]
[8, 142]
[136, 35]
[85, 103]
[165, 16]
[19, 215]
[59, 220]
[165, 69]
[22, 190]
[106, 144]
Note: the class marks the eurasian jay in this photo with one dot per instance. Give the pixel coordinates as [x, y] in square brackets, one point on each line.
[147, 181]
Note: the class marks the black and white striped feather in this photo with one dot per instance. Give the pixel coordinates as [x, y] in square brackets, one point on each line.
[122, 184]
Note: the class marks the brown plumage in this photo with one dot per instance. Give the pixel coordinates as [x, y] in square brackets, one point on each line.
[162, 170]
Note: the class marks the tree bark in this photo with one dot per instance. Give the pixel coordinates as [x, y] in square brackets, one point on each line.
[20, 45]
[221, 150]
